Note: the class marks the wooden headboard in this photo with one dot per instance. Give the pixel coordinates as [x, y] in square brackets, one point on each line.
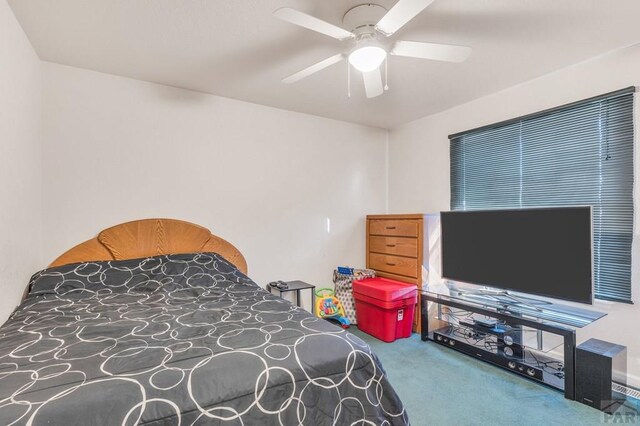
[151, 237]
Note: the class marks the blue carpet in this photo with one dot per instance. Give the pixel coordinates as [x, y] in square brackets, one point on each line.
[439, 386]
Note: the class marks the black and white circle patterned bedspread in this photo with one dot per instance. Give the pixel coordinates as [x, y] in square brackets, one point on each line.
[180, 339]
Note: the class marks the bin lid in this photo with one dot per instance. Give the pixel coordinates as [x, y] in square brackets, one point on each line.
[384, 289]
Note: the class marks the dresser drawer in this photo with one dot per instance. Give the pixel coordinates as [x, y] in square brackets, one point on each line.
[401, 246]
[403, 228]
[394, 264]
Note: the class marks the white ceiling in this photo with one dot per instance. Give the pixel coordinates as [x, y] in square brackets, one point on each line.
[237, 49]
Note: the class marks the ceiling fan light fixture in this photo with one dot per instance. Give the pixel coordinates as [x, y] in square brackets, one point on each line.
[367, 58]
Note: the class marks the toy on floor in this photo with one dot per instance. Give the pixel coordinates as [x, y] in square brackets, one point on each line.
[329, 307]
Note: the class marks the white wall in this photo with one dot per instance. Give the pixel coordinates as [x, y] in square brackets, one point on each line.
[20, 162]
[265, 179]
[419, 162]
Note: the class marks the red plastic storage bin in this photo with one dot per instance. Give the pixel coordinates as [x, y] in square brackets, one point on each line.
[385, 308]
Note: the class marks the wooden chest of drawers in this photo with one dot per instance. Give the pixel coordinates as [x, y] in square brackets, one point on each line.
[395, 245]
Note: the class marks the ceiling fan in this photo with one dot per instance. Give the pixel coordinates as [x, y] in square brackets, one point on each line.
[370, 25]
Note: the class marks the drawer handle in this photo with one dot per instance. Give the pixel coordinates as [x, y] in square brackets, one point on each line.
[391, 264]
[390, 227]
[391, 245]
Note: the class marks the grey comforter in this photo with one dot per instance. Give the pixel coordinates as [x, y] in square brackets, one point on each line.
[180, 339]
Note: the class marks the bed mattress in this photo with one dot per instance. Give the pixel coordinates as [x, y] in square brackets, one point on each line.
[180, 339]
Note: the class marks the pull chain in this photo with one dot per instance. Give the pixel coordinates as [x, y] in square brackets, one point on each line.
[386, 73]
[348, 80]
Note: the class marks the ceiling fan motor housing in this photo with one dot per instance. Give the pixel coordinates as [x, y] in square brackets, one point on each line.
[362, 19]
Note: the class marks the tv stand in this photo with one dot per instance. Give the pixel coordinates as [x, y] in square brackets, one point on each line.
[525, 340]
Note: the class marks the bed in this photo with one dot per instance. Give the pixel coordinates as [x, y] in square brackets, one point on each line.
[156, 322]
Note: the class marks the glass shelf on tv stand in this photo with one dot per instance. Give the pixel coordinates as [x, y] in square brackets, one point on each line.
[541, 311]
[464, 325]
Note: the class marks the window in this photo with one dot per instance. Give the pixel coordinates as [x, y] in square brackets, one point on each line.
[578, 154]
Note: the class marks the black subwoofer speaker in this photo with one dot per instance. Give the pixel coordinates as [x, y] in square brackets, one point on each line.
[598, 364]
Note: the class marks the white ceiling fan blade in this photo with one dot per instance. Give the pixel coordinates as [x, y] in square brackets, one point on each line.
[373, 83]
[312, 23]
[313, 68]
[401, 13]
[434, 51]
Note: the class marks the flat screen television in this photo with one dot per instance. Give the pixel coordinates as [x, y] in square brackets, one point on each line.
[545, 252]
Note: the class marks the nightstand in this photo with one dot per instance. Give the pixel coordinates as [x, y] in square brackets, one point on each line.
[297, 286]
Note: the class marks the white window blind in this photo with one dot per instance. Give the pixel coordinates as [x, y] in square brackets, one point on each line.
[578, 154]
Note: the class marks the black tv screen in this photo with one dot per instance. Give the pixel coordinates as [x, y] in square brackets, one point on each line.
[546, 252]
